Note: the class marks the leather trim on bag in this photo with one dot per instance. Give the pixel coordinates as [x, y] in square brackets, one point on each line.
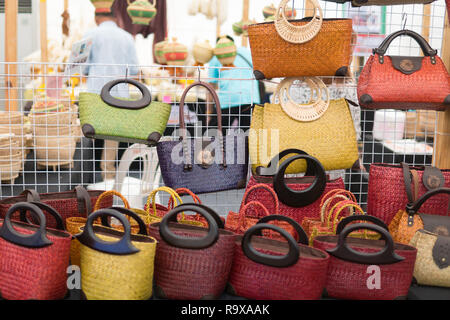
[365, 99]
[88, 130]
[441, 252]
[406, 65]
[259, 75]
[439, 225]
[153, 138]
[433, 178]
[342, 71]
[447, 100]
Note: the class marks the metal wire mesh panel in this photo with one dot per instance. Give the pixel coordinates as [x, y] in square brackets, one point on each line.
[46, 150]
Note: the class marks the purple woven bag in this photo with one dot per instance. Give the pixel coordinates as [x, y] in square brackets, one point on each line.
[204, 165]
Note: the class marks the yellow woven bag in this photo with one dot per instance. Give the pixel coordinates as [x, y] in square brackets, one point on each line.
[115, 265]
[330, 136]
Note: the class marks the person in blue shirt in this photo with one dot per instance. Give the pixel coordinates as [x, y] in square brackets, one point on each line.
[236, 96]
[113, 55]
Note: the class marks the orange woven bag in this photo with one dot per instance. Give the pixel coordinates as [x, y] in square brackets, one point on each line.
[307, 47]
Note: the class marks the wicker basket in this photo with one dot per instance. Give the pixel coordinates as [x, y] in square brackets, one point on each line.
[61, 118]
[52, 152]
[11, 117]
[10, 167]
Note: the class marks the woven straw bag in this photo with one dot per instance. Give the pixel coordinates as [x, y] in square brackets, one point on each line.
[299, 197]
[267, 269]
[349, 274]
[307, 47]
[403, 82]
[33, 258]
[104, 117]
[331, 137]
[432, 263]
[360, 3]
[408, 221]
[395, 181]
[192, 262]
[116, 265]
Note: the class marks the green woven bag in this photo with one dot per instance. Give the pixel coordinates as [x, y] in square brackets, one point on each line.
[135, 121]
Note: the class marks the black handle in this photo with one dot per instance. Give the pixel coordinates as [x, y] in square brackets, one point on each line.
[302, 236]
[288, 260]
[44, 207]
[272, 167]
[424, 45]
[83, 200]
[360, 217]
[227, 36]
[31, 195]
[213, 214]
[37, 240]
[126, 104]
[385, 256]
[127, 212]
[305, 197]
[413, 208]
[121, 247]
[185, 242]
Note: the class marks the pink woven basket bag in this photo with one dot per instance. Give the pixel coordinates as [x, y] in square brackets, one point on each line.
[33, 258]
[267, 269]
[306, 192]
[191, 262]
[363, 269]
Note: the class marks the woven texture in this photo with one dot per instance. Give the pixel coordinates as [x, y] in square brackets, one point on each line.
[200, 180]
[34, 274]
[389, 88]
[324, 55]
[382, 2]
[426, 272]
[331, 139]
[304, 280]
[118, 277]
[298, 214]
[400, 230]
[125, 125]
[385, 179]
[65, 203]
[348, 280]
[189, 274]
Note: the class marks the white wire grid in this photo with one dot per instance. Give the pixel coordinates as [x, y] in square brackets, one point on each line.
[57, 158]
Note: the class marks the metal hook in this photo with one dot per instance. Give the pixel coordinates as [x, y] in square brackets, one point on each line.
[126, 72]
[404, 19]
[198, 68]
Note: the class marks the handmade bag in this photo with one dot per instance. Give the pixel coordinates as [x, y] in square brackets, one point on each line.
[403, 82]
[33, 258]
[192, 262]
[248, 217]
[116, 265]
[324, 129]
[267, 269]
[408, 221]
[389, 186]
[363, 269]
[105, 117]
[360, 3]
[219, 164]
[76, 203]
[311, 46]
[432, 263]
[299, 197]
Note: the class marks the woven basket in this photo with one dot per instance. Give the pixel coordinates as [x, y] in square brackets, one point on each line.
[157, 211]
[11, 117]
[198, 272]
[349, 277]
[61, 118]
[328, 53]
[258, 278]
[387, 192]
[33, 268]
[108, 271]
[54, 151]
[431, 268]
[10, 166]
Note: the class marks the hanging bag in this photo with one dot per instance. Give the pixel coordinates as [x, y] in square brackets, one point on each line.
[363, 269]
[105, 117]
[360, 3]
[204, 165]
[116, 265]
[403, 82]
[33, 258]
[313, 46]
[267, 269]
[192, 262]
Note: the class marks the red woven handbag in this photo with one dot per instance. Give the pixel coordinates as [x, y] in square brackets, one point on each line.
[267, 269]
[33, 258]
[192, 262]
[363, 269]
[299, 197]
[398, 82]
[76, 203]
[389, 187]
